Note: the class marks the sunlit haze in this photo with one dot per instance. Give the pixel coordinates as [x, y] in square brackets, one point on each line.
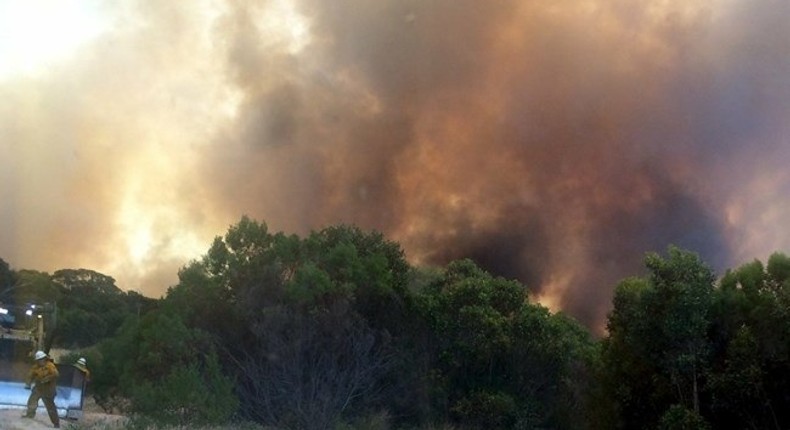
[37, 33]
[553, 142]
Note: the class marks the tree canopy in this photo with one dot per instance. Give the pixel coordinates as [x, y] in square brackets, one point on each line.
[327, 330]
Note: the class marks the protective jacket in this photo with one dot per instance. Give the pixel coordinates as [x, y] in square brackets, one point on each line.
[45, 376]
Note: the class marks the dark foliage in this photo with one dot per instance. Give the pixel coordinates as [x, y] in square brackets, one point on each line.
[337, 328]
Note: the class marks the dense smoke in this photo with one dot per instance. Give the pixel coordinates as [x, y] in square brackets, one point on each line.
[553, 142]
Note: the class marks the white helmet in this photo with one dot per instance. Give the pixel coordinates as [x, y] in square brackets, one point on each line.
[40, 355]
[82, 362]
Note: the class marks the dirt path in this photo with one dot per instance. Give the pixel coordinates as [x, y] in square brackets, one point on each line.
[11, 419]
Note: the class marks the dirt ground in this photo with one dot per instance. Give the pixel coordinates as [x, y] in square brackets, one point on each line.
[11, 419]
[92, 418]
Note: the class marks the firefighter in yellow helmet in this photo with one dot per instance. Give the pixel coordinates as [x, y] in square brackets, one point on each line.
[44, 375]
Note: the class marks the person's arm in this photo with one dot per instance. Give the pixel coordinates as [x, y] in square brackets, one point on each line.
[30, 376]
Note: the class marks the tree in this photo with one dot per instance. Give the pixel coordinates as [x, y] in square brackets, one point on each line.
[658, 347]
[253, 288]
[634, 385]
[91, 307]
[681, 297]
[737, 389]
[85, 281]
[500, 361]
[7, 277]
[7, 282]
[372, 269]
[749, 377]
[35, 287]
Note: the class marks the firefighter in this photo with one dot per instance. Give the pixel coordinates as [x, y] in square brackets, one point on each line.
[82, 365]
[44, 375]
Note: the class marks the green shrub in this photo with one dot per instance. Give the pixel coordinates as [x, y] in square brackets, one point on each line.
[187, 396]
[373, 421]
[678, 417]
[486, 410]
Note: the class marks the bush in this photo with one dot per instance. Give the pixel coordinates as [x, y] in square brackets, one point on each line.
[373, 421]
[678, 417]
[486, 410]
[188, 396]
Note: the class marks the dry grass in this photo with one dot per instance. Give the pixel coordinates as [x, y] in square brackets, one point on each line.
[127, 425]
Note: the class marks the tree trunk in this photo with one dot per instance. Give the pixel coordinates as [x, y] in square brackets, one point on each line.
[696, 397]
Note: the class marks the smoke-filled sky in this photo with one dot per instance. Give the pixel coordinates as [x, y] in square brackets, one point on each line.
[552, 141]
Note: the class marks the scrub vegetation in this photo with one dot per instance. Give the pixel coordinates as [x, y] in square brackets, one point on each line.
[337, 330]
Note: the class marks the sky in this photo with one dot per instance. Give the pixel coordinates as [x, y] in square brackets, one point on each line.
[552, 142]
